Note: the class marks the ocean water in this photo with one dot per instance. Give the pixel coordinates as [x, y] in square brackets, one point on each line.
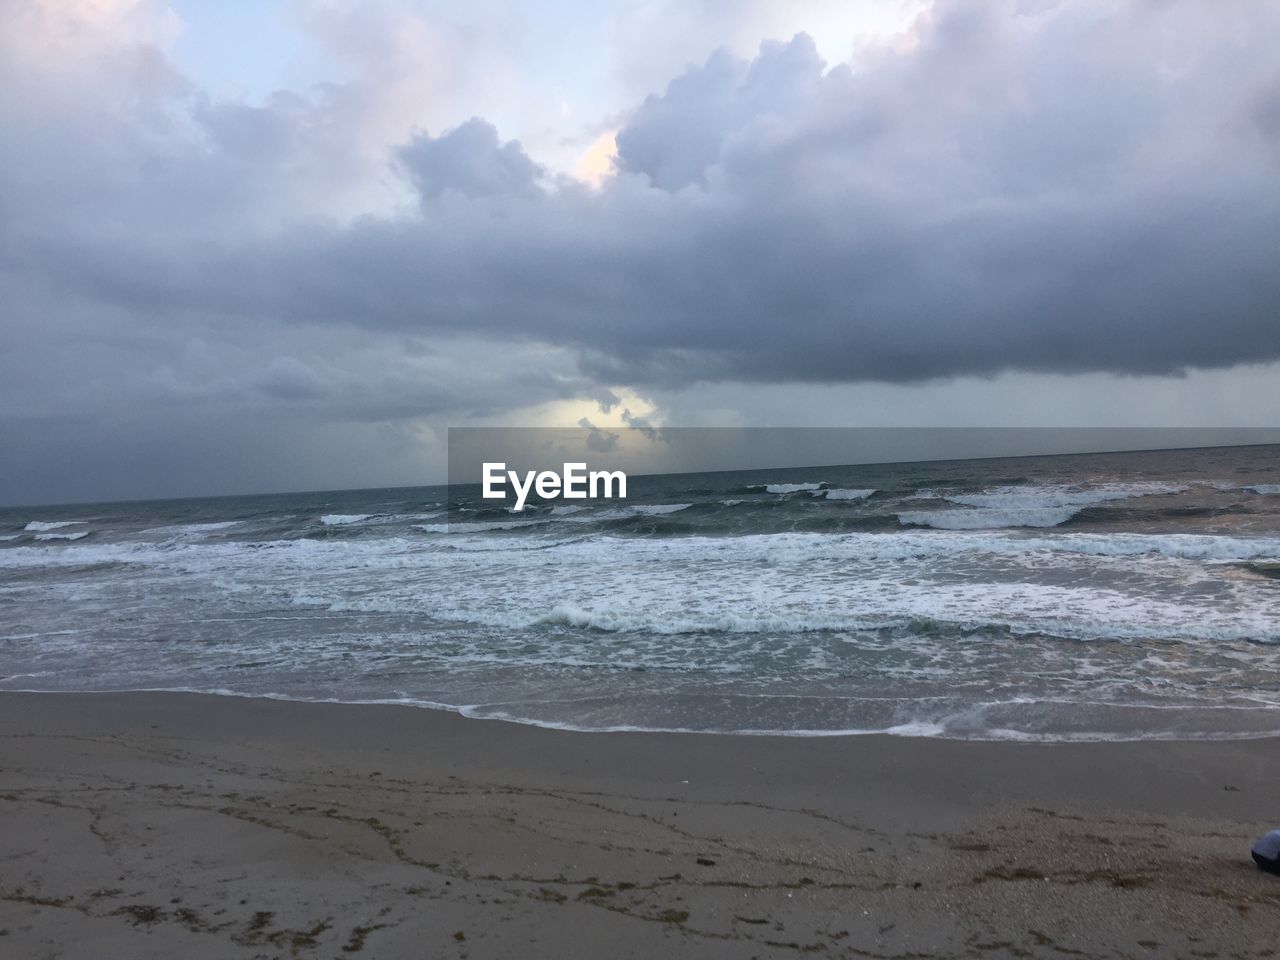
[1118, 596]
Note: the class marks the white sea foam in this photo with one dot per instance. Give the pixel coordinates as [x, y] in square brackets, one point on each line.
[1074, 585]
[636, 510]
[799, 548]
[825, 618]
[799, 583]
[969, 724]
[1264, 488]
[619, 619]
[914, 728]
[379, 519]
[846, 494]
[476, 526]
[194, 528]
[1033, 505]
[921, 728]
[657, 509]
[1058, 495]
[671, 607]
[63, 536]
[791, 487]
[52, 524]
[10, 536]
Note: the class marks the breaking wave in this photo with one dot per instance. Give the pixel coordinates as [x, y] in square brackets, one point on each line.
[52, 524]
[845, 494]
[1028, 506]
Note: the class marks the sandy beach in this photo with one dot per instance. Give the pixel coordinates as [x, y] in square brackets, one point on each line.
[169, 825]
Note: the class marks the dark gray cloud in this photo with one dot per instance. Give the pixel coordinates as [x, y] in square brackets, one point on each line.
[1057, 187]
[471, 160]
[598, 440]
[677, 137]
[1017, 186]
[641, 425]
[606, 400]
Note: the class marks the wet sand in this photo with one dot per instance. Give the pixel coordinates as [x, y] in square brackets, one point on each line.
[171, 825]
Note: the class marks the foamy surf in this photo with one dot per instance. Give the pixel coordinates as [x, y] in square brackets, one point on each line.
[1029, 505]
[845, 494]
[1087, 601]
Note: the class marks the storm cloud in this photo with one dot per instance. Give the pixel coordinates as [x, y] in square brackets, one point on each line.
[1047, 187]
[1052, 187]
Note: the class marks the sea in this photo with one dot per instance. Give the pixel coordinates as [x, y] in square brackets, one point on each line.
[1082, 597]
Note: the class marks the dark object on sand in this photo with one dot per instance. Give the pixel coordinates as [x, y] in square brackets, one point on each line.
[1266, 851]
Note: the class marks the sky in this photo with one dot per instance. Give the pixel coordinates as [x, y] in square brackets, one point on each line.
[269, 246]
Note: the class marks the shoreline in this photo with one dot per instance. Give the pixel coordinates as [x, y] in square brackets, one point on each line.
[182, 824]
[906, 731]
